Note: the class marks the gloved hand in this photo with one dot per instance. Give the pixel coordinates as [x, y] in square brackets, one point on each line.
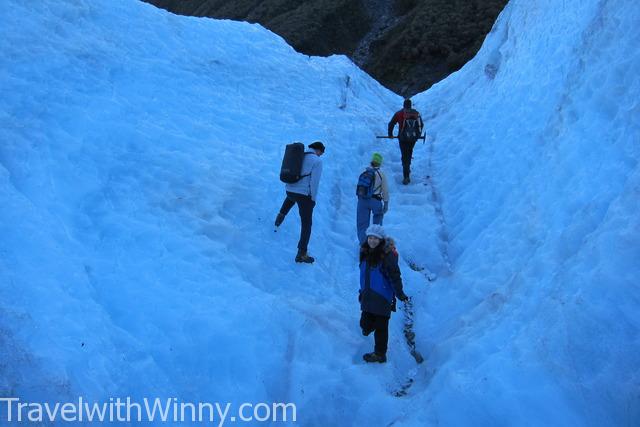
[403, 297]
[385, 207]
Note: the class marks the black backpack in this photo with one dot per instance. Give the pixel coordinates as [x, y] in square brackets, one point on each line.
[410, 127]
[291, 169]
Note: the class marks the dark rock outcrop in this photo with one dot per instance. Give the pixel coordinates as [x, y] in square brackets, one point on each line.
[407, 45]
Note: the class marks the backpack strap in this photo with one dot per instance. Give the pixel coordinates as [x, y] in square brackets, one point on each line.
[377, 170]
[309, 174]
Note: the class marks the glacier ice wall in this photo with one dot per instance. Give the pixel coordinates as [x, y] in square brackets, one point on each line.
[535, 145]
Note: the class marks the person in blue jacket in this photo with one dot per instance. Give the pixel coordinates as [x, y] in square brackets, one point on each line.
[380, 284]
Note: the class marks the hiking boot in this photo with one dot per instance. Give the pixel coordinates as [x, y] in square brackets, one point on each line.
[303, 257]
[279, 219]
[374, 357]
[406, 181]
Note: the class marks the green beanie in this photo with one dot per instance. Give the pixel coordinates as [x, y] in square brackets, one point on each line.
[376, 158]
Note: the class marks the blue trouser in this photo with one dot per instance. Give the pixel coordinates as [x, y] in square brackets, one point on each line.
[366, 207]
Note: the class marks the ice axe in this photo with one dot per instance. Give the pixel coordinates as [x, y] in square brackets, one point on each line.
[423, 137]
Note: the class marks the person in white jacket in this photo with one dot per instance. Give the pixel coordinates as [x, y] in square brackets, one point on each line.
[303, 193]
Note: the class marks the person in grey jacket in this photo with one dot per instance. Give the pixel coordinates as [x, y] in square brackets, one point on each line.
[303, 193]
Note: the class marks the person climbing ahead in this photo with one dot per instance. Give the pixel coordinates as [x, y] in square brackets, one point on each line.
[373, 196]
[303, 193]
[409, 130]
[380, 284]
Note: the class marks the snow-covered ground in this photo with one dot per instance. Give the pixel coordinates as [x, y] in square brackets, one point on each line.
[139, 154]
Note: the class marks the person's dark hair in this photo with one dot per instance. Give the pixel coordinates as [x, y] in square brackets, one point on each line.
[372, 256]
[317, 145]
[407, 103]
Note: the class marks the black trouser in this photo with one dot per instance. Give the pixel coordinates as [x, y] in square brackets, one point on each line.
[406, 149]
[380, 324]
[305, 208]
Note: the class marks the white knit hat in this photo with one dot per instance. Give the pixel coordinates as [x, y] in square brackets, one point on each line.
[376, 230]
